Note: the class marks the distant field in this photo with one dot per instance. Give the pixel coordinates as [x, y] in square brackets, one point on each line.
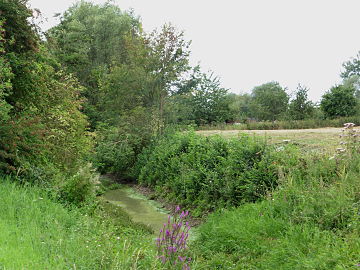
[321, 139]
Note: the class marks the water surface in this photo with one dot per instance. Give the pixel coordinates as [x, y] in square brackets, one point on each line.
[138, 207]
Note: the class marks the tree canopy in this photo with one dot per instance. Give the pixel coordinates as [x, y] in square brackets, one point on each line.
[269, 101]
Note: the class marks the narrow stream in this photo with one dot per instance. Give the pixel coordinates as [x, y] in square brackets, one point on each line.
[138, 207]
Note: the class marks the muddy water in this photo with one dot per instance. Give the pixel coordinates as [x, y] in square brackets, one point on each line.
[138, 207]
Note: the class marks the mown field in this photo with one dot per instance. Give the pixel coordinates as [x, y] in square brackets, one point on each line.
[321, 139]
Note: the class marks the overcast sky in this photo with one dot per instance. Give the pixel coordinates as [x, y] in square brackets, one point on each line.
[251, 42]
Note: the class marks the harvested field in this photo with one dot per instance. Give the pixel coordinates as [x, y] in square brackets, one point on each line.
[321, 139]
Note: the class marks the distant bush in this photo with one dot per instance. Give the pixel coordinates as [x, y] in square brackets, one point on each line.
[210, 172]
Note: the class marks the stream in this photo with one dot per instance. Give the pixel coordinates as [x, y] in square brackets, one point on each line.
[140, 208]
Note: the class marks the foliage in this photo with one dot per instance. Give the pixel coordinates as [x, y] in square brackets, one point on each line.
[352, 67]
[117, 148]
[209, 101]
[340, 101]
[269, 101]
[284, 124]
[80, 188]
[42, 132]
[89, 39]
[300, 107]
[18, 32]
[239, 106]
[310, 222]
[199, 99]
[208, 173]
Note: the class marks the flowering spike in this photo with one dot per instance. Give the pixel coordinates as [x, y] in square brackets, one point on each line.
[172, 241]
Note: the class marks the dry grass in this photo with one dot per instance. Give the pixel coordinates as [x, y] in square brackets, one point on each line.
[319, 140]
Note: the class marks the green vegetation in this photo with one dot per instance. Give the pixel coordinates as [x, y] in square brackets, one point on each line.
[38, 233]
[97, 94]
[311, 222]
[208, 173]
[286, 124]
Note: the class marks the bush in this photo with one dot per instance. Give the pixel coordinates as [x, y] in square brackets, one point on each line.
[116, 150]
[80, 187]
[210, 172]
[310, 222]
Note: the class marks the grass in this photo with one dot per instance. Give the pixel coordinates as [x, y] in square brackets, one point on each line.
[38, 233]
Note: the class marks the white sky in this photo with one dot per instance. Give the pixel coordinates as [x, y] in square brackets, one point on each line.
[250, 42]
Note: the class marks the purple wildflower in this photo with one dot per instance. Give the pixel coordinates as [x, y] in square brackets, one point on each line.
[172, 241]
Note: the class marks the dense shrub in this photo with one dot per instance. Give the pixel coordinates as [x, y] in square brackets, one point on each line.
[210, 172]
[310, 222]
[117, 148]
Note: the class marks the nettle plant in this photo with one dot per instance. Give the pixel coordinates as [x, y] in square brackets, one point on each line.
[350, 140]
[172, 241]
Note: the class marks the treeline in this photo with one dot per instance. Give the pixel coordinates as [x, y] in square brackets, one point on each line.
[268, 102]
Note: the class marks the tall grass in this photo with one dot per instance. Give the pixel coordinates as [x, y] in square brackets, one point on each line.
[37, 233]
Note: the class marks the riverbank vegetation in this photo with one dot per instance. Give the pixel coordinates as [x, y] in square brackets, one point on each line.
[96, 94]
[36, 232]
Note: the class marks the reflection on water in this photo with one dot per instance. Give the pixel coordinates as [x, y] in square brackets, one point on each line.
[139, 208]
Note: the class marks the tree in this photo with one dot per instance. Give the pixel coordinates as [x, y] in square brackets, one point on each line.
[40, 118]
[300, 107]
[269, 101]
[239, 106]
[89, 41]
[352, 67]
[209, 102]
[339, 101]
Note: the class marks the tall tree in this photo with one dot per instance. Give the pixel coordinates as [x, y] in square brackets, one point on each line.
[89, 40]
[300, 107]
[269, 101]
[339, 101]
[352, 67]
[239, 106]
[40, 113]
